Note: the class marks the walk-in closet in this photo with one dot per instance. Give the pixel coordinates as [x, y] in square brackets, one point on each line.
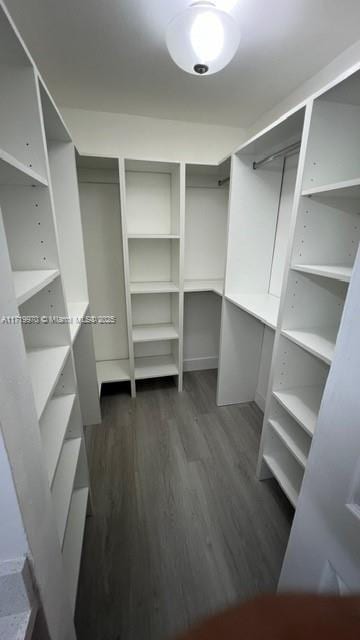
[179, 335]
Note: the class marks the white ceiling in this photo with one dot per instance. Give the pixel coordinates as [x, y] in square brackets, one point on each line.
[110, 55]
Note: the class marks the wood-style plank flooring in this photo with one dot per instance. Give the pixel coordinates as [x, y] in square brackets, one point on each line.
[181, 526]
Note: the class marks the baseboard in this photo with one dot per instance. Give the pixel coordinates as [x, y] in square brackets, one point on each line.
[260, 401]
[199, 364]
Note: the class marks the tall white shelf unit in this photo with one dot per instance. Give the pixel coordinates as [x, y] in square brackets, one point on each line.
[323, 249]
[260, 217]
[43, 391]
[152, 204]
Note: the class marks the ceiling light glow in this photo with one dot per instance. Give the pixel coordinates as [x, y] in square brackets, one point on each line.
[207, 36]
[202, 40]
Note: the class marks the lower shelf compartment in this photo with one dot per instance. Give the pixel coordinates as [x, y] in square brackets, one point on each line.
[74, 539]
[64, 482]
[53, 427]
[155, 367]
[303, 404]
[287, 475]
[296, 442]
[112, 371]
[319, 342]
[45, 368]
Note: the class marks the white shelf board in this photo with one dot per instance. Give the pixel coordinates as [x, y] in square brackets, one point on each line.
[63, 483]
[303, 404]
[155, 367]
[53, 426]
[77, 311]
[73, 540]
[262, 306]
[112, 371]
[153, 332]
[343, 189]
[196, 286]
[28, 283]
[45, 367]
[334, 271]
[153, 287]
[153, 236]
[282, 478]
[318, 341]
[289, 442]
[13, 172]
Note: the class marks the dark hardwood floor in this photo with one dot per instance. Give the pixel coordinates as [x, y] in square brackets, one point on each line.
[181, 526]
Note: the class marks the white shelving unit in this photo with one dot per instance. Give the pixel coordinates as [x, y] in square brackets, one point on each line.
[152, 219]
[43, 277]
[323, 249]
[260, 219]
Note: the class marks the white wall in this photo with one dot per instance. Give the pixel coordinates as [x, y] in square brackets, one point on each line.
[334, 70]
[115, 134]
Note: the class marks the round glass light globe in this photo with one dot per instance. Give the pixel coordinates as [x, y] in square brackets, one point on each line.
[202, 40]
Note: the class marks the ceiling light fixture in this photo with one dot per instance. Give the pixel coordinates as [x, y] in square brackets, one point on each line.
[202, 39]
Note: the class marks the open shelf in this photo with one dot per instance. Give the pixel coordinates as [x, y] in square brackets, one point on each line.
[195, 286]
[153, 236]
[343, 189]
[45, 367]
[338, 272]
[13, 172]
[151, 332]
[53, 427]
[77, 311]
[296, 444]
[73, 540]
[63, 483]
[155, 367]
[264, 306]
[153, 287]
[28, 283]
[282, 471]
[112, 371]
[303, 404]
[318, 341]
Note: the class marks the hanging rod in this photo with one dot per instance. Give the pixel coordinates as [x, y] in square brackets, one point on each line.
[223, 181]
[287, 151]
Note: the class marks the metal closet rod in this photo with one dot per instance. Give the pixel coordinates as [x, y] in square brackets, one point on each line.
[223, 181]
[286, 151]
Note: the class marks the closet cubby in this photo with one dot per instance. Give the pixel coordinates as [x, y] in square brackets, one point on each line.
[152, 199]
[327, 235]
[153, 263]
[312, 312]
[155, 317]
[283, 465]
[22, 154]
[333, 151]
[262, 186]
[298, 384]
[295, 438]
